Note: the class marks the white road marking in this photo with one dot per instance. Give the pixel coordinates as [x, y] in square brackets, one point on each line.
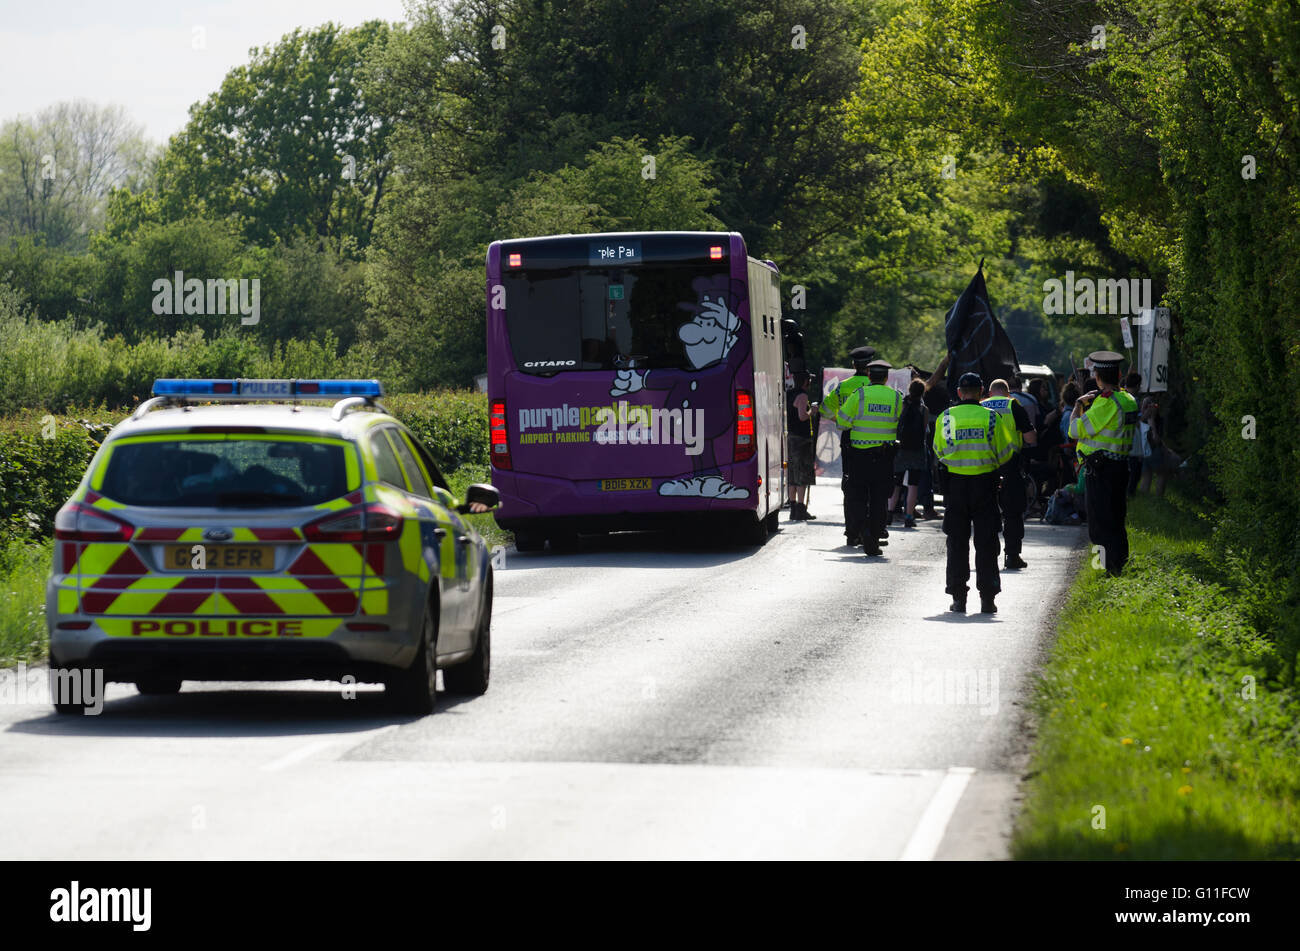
[298, 755]
[934, 821]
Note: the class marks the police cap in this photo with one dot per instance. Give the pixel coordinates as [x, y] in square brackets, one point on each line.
[862, 354]
[1105, 359]
[970, 381]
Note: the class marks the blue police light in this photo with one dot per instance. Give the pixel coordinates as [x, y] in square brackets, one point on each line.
[267, 389]
[195, 387]
[342, 388]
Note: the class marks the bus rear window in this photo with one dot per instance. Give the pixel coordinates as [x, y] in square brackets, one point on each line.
[231, 472]
[590, 318]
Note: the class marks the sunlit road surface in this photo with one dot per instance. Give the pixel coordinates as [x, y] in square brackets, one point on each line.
[650, 699]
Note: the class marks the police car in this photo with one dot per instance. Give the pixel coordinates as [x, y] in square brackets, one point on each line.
[269, 541]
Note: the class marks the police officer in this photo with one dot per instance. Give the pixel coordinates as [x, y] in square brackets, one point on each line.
[971, 443]
[870, 417]
[1012, 493]
[830, 406]
[1103, 423]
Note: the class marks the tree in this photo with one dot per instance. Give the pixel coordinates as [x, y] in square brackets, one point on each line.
[58, 168]
[288, 146]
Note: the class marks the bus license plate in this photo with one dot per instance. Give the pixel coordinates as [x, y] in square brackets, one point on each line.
[219, 557]
[622, 485]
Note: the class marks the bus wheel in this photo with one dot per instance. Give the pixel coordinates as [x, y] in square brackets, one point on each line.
[529, 541]
[773, 521]
[564, 541]
[751, 530]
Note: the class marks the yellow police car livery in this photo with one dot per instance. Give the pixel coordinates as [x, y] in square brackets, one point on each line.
[270, 541]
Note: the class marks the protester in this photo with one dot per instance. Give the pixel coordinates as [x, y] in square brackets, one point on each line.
[936, 399]
[1133, 386]
[910, 460]
[1159, 461]
[1012, 490]
[1031, 406]
[799, 445]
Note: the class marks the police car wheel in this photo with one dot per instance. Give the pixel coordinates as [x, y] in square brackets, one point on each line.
[529, 541]
[414, 690]
[471, 677]
[158, 686]
[66, 706]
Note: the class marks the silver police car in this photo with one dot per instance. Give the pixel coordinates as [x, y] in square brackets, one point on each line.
[269, 541]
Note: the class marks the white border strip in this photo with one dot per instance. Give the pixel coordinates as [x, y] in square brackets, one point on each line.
[929, 831]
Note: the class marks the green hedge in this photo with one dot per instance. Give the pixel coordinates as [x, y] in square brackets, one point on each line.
[453, 424]
[38, 474]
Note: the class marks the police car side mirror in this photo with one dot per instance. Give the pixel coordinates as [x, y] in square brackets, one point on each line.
[483, 494]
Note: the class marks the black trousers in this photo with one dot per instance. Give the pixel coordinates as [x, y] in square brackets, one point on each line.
[1134, 474]
[845, 462]
[866, 498]
[1011, 500]
[1106, 500]
[971, 505]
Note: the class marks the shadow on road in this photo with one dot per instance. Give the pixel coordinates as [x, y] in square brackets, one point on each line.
[704, 549]
[201, 710]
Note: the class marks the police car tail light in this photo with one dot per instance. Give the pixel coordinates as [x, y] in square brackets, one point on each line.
[77, 522]
[374, 522]
[500, 436]
[744, 425]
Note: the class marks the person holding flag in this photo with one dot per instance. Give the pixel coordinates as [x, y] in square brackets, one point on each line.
[975, 338]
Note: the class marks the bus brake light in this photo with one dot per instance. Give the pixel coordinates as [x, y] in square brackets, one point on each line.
[744, 426]
[500, 436]
[715, 252]
[516, 260]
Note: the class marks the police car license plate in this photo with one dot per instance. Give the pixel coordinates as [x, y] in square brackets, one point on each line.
[622, 485]
[219, 557]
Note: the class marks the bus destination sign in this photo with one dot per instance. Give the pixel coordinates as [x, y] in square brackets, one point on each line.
[613, 252]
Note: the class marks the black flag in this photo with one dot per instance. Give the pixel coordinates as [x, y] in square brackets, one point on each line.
[976, 339]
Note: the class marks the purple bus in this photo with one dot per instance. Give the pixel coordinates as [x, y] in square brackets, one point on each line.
[634, 378]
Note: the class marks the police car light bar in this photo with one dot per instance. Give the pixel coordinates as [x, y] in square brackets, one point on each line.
[245, 390]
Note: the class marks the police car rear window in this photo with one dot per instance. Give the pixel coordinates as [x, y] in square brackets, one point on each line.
[225, 472]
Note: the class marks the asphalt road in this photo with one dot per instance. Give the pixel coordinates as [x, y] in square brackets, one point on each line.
[649, 699]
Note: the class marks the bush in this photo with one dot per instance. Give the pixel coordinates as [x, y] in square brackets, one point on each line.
[453, 424]
[38, 474]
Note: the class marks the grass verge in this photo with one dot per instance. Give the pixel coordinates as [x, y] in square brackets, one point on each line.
[1167, 723]
[24, 566]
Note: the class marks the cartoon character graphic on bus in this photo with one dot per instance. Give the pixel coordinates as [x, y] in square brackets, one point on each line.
[717, 344]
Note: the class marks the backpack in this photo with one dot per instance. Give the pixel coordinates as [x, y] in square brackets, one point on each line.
[1060, 508]
[911, 426]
